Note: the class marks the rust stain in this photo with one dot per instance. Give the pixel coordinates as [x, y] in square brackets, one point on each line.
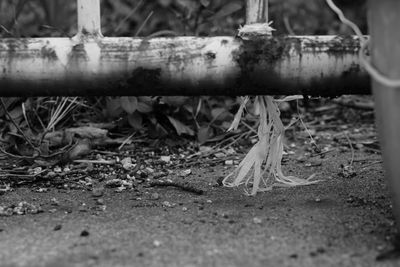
[224, 42]
[210, 55]
[336, 46]
[48, 53]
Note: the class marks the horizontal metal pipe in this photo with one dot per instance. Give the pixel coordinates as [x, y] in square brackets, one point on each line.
[309, 65]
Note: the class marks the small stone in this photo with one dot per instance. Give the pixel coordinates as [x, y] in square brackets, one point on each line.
[257, 220]
[88, 181]
[114, 183]
[185, 173]
[220, 155]
[100, 201]
[156, 243]
[85, 233]
[41, 190]
[155, 196]
[167, 204]
[54, 202]
[229, 162]
[127, 163]
[57, 227]
[98, 192]
[166, 159]
[209, 201]
[51, 174]
[184, 209]
[120, 189]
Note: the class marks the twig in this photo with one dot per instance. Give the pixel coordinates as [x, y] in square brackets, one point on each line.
[15, 156]
[126, 141]
[128, 16]
[102, 162]
[288, 26]
[351, 147]
[364, 168]
[162, 33]
[143, 24]
[21, 176]
[5, 29]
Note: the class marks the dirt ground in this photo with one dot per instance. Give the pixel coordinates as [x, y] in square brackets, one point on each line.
[345, 220]
[339, 222]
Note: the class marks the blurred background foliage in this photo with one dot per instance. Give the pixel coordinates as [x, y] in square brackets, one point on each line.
[203, 118]
[29, 18]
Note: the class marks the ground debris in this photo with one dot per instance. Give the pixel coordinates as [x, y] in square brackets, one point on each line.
[22, 208]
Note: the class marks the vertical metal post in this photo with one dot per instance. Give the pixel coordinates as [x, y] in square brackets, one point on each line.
[384, 21]
[256, 11]
[89, 20]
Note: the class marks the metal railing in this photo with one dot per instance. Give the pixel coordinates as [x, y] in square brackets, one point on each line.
[90, 64]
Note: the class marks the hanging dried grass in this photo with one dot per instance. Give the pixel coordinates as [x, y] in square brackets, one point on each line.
[261, 169]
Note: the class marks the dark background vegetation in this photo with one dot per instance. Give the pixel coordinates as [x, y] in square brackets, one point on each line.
[184, 17]
[199, 117]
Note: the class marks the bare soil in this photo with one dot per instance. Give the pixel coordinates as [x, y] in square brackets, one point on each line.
[339, 222]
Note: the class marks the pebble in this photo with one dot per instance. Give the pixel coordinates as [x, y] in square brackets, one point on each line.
[114, 183]
[57, 227]
[220, 155]
[85, 233]
[185, 173]
[98, 192]
[127, 164]
[257, 220]
[155, 196]
[229, 162]
[166, 159]
[167, 204]
[54, 202]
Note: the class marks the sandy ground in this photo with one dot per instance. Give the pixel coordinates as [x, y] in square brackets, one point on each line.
[339, 222]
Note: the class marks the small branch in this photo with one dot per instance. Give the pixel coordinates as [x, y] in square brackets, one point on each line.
[351, 147]
[100, 162]
[143, 24]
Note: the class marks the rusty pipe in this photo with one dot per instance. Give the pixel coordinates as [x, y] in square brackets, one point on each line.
[309, 65]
